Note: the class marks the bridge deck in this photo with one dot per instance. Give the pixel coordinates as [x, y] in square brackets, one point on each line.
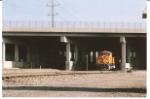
[73, 30]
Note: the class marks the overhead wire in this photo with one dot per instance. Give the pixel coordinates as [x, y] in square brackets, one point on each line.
[72, 8]
[23, 9]
[69, 13]
[63, 19]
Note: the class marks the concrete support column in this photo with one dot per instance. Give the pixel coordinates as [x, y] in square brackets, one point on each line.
[28, 54]
[16, 53]
[83, 54]
[94, 56]
[3, 54]
[128, 54]
[76, 57]
[69, 63]
[76, 53]
[123, 62]
[36, 54]
[123, 52]
[68, 53]
[32, 53]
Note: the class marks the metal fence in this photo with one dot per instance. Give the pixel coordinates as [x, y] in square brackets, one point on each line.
[61, 24]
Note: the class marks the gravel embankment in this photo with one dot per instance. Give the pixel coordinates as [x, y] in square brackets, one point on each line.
[90, 85]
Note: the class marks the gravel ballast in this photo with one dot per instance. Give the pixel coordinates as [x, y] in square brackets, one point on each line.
[114, 84]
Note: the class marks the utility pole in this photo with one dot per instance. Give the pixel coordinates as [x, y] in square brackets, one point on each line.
[52, 13]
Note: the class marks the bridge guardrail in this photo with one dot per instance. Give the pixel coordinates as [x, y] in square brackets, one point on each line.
[61, 24]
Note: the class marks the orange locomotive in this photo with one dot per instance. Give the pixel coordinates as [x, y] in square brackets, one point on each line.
[105, 60]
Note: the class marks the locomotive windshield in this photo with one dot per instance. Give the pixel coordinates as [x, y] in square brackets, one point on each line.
[106, 54]
[100, 54]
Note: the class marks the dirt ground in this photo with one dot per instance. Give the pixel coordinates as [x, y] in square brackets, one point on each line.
[113, 84]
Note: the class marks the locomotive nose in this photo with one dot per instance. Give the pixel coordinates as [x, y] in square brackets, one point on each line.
[103, 56]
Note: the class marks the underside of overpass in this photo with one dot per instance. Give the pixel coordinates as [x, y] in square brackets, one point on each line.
[50, 52]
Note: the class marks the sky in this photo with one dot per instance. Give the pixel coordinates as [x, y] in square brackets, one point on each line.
[75, 10]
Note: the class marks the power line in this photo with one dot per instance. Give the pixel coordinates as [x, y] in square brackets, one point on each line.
[69, 13]
[71, 7]
[62, 18]
[21, 8]
[65, 20]
[32, 3]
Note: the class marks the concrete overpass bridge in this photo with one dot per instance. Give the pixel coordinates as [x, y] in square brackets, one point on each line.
[33, 44]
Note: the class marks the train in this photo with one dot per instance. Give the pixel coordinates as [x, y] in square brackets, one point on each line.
[105, 60]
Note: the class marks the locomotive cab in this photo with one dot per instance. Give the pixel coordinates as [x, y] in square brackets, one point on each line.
[105, 60]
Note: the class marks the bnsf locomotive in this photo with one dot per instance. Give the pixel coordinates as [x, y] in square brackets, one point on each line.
[105, 61]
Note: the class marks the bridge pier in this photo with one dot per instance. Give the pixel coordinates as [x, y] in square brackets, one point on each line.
[128, 53]
[69, 63]
[123, 62]
[3, 54]
[76, 60]
[16, 53]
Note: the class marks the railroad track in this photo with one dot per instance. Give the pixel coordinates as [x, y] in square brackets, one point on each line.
[14, 75]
